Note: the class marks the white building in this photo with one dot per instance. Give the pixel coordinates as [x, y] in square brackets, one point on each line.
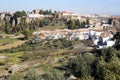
[35, 16]
[104, 42]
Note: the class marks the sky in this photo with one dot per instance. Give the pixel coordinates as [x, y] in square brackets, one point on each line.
[111, 7]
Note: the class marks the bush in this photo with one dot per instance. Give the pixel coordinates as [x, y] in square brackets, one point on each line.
[32, 75]
[55, 75]
[16, 77]
[87, 78]
[2, 63]
[82, 65]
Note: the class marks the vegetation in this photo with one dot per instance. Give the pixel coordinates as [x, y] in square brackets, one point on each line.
[33, 75]
[7, 41]
[47, 12]
[27, 33]
[11, 58]
[10, 27]
[101, 65]
[76, 24]
[36, 51]
[16, 77]
[82, 65]
[20, 13]
[17, 22]
[51, 44]
[117, 38]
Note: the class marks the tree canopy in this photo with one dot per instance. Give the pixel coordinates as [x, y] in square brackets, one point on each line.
[117, 39]
[20, 13]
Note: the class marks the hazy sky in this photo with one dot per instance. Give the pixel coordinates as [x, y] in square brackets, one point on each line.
[80, 6]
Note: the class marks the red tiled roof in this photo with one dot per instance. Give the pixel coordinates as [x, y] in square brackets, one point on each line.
[43, 37]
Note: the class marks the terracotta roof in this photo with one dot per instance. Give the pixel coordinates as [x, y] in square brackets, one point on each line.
[43, 37]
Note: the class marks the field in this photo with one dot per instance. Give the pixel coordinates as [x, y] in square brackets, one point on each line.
[7, 59]
[11, 58]
[10, 41]
[7, 41]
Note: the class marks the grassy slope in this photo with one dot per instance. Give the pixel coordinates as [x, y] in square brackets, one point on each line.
[8, 40]
[12, 58]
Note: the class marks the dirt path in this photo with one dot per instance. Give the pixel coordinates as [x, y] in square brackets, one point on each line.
[9, 46]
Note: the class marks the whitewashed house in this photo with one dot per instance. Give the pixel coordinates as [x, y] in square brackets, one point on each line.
[39, 16]
[104, 42]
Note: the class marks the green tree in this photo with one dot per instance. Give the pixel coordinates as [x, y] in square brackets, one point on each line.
[45, 22]
[20, 13]
[83, 24]
[82, 65]
[117, 39]
[71, 24]
[27, 33]
[108, 70]
[107, 53]
[77, 23]
[87, 22]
